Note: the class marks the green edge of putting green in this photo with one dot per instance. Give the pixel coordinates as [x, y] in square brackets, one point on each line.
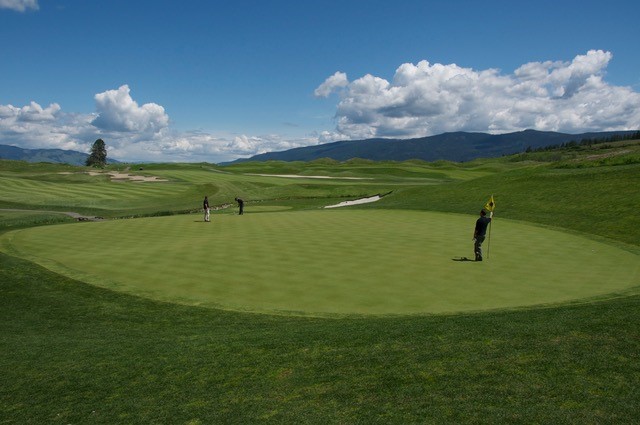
[339, 262]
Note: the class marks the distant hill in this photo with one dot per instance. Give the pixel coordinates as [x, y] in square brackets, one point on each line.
[457, 147]
[45, 155]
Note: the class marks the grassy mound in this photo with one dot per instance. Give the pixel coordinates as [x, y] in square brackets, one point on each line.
[78, 353]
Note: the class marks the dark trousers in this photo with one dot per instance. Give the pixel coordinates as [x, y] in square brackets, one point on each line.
[477, 247]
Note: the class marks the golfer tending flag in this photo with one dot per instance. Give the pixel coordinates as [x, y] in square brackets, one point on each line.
[490, 205]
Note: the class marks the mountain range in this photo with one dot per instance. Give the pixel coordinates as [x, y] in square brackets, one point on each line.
[45, 155]
[457, 147]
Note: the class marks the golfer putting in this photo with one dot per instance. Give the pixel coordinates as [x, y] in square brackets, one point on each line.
[240, 205]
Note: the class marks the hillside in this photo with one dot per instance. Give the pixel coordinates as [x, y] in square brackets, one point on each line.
[58, 156]
[43, 155]
[80, 353]
[457, 147]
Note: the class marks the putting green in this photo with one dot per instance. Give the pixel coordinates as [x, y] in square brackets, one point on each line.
[330, 262]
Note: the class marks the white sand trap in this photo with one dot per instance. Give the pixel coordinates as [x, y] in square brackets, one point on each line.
[356, 202]
[124, 176]
[135, 178]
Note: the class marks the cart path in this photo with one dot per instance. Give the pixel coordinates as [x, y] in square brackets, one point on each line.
[75, 215]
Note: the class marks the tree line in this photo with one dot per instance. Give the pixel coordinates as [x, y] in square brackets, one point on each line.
[587, 142]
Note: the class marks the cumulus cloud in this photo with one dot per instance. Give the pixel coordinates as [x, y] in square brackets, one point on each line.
[117, 111]
[19, 5]
[421, 99]
[131, 132]
[32, 112]
[426, 99]
[33, 126]
[336, 81]
[198, 146]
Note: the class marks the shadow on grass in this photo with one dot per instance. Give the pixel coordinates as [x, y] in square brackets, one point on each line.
[463, 259]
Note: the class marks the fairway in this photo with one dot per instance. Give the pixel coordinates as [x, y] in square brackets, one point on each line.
[330, 262]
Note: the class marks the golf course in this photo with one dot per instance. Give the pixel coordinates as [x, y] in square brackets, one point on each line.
[120, 304]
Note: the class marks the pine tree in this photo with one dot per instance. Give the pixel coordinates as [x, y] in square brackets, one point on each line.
[98, 155]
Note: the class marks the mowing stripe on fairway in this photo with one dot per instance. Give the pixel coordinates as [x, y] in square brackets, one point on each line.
[330, 262]
[108, 195]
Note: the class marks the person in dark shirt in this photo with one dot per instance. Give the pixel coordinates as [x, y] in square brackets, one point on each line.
[240, 206]
[480, 232]
[205, 206]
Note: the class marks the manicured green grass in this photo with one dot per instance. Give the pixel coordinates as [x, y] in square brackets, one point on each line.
[77, 353]
[54, 189]
[601, 201]
[331, 262]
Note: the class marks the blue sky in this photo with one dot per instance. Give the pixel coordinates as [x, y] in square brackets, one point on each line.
[218, 80]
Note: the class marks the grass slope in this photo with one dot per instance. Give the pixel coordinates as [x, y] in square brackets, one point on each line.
[74, 353]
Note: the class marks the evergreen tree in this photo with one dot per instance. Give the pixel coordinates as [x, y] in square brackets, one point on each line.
[98, 155]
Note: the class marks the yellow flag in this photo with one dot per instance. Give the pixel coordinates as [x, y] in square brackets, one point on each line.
[490, 205]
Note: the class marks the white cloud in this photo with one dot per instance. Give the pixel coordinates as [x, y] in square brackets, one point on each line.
[36, 113]
[33, 126]
[426, 99]
[198, 147]
[131, 132]
[421, 99]
[117, 111]
[331, 84]
[11, 115]
[19, 5]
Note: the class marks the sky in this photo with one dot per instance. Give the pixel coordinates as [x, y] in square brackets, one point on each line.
[213, 80]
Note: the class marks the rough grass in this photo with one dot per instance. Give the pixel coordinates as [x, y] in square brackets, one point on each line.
[21, 219]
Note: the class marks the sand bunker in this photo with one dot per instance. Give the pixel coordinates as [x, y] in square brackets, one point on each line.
[356, 202]
[117, 176]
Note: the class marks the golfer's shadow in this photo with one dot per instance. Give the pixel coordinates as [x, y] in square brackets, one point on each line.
[462, 259]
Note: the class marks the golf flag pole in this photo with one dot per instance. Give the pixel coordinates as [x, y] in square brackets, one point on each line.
[490, 206]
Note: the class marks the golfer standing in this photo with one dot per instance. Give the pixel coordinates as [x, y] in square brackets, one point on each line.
[480, 232]
[205, 205]
[240, 206]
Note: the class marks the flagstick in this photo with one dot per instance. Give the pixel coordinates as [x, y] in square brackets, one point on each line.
[489, 241]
